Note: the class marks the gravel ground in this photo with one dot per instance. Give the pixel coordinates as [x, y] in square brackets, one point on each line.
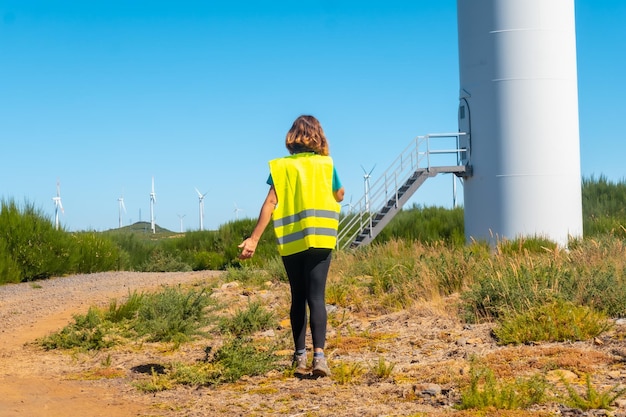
[428, 344]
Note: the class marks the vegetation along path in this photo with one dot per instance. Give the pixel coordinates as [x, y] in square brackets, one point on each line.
[36, 383]
[432, 352]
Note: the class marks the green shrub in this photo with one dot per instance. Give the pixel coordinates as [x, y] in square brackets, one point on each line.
[426, 225]
[137, 250]
[558, 321]
[250, 274]
[31, 241]
[592, 399]
[485, 392]
[204, 260]
[240, 357]
[9, 269]
[95, 253]
[197, 374]
[236, 358]
[117, 313]
[172, 315]
[245, 322]
[163, 261]
[88, 332]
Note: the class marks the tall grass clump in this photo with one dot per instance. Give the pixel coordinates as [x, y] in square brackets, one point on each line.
[592, 274]
[600, 266]
[396, 274]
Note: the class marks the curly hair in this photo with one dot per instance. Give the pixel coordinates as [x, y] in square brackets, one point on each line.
[306, 135]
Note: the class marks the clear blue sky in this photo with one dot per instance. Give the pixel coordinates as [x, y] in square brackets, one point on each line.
[105, 95]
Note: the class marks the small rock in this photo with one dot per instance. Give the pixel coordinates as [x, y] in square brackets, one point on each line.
[431, 389]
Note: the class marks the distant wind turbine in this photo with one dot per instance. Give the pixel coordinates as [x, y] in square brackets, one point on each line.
[121, 207]
[237, 210]
[57, 205]
[366, 180]
[152, 201]
[181, 217]
[201, 208]
[349, 205]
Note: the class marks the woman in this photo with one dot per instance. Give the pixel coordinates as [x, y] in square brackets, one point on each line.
[303, 201]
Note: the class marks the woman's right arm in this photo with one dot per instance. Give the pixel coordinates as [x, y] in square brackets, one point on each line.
[248, 246]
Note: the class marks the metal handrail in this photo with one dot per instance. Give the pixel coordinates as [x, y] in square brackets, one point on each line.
[417, 155]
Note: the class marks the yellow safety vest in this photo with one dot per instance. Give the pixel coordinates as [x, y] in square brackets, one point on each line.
[307, 215]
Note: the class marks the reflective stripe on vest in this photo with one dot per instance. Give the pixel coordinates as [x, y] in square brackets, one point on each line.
[309, 218]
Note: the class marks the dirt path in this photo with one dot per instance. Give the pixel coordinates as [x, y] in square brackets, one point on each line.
[429, 346]
[33, 383]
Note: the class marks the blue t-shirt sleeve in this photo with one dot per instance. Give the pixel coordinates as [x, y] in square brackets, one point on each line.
[336, 180]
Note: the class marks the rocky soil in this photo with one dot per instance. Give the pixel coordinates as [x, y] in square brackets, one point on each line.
[430, 348]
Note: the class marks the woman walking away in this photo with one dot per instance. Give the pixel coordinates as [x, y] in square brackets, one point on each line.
[303, 201]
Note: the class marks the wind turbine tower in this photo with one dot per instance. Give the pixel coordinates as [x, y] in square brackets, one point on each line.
[120, 202]
[57, 205]
[518, 106]
[201, 208]
[350, 206]
[181, 217]
[152, 201]
[366, 181]
[237, 210]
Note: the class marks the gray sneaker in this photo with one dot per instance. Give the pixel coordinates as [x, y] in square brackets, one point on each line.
[299, 362]
[320, 367]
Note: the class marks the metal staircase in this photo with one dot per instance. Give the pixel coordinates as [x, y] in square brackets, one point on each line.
[380, 203]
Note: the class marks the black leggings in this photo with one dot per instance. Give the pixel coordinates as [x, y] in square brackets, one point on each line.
[307, 272]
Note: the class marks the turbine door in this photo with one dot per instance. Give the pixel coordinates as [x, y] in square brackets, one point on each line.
[464, 126]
